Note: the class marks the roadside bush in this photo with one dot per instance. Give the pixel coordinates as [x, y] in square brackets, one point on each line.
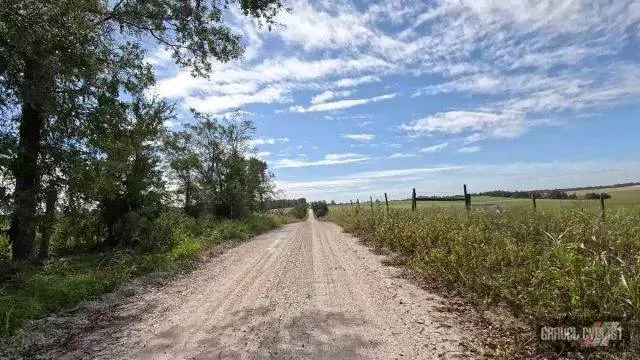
[320, 208]
[299, 211]
[170, 242]
[77, 232]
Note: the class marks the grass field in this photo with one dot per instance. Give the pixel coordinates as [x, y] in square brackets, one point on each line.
[560, 262]
[622, 197]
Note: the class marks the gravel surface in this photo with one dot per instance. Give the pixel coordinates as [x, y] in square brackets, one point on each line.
[305, 291]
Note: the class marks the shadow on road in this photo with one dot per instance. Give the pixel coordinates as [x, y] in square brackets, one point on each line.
[260, 333]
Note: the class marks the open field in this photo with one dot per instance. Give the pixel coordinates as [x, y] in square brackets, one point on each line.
[560, 262]
[622, 197]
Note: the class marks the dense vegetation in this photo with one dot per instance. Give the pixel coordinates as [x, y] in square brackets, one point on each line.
[87, 168]
[35, 292]
[284, 203]
[299, 211]
[81, 133]
[320, 208]
[593, 196]
[546, 265]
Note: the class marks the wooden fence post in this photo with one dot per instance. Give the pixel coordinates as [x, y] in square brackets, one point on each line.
[351, 201]
[413, 200]
[602, 207]
[533, 198]
[467, 198]
[371, 201]
[386, 200]
[358, 203]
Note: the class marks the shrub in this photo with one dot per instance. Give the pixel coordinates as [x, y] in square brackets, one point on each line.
[185, 250]
[76, 232]
[299, 211]
[594, 196]
[320, 208]
[171, 241]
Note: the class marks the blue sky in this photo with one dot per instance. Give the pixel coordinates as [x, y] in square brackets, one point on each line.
[354, 99]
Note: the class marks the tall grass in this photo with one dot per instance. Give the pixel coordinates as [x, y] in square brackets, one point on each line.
[559, 263]
[33, 292]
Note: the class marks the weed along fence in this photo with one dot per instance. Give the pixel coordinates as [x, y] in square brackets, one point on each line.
[492, 205]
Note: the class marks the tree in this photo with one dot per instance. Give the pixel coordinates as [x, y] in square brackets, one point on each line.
[320, 208]
[71, 56]
[129, 182]
[183, 163]
[210, 153]
[259, 185]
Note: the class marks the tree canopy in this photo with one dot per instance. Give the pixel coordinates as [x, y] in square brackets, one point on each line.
[78, 123]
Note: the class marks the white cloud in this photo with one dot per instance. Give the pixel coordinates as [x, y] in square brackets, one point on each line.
[348, 82]
[341, 104]
[359, 137]
[399, 155]
[263, 154]
[469, 149]
[268, 141]
[496, 125]
[434, 148]
[327, 95]
[219, 103]
[329, 159]
[532, 59]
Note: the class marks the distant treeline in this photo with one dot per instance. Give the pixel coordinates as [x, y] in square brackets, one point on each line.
[601, 186]
[283, 203]
[540, 194]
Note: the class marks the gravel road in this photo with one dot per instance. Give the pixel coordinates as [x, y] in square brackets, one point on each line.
[305, 291]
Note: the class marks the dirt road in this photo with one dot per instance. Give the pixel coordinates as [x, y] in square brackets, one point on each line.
[305, 291]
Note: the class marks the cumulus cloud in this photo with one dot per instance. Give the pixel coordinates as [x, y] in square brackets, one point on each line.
[495, 125]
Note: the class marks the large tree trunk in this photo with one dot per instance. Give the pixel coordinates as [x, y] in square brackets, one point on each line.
[24, 220]
[48, 221]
